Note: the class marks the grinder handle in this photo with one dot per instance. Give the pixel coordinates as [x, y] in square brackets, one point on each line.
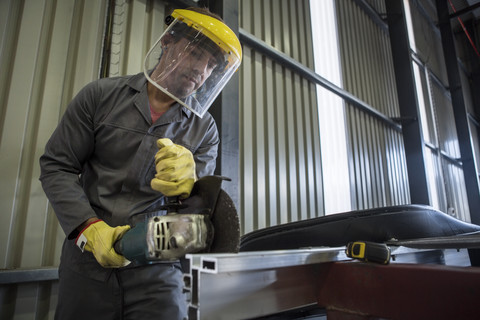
[172, 204]
[118, 246]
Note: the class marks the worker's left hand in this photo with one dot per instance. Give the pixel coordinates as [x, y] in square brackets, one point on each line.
[175, 170]
[99, 238]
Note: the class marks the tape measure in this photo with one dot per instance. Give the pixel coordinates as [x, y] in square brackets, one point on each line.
[368, 251]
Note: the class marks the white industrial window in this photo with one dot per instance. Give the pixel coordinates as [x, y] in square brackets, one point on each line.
[331, 111]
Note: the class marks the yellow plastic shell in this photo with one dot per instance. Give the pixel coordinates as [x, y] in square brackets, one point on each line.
[213, 28]
[360, 246]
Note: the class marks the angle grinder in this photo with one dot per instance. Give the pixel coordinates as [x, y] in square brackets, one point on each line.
[207, 221]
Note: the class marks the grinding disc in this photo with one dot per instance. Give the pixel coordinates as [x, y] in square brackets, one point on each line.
[207, 197]
[226, 226]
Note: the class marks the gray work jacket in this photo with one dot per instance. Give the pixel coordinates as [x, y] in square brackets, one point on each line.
[100, 159]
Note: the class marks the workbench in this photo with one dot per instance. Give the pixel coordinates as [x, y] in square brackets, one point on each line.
[281, 284]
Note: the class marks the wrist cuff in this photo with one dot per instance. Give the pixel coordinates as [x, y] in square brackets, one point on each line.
[81, 240]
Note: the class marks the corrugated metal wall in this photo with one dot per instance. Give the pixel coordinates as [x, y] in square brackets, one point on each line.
[377, 161]
[280, 169]
[447, 184]
[49, 49]
[136, 26]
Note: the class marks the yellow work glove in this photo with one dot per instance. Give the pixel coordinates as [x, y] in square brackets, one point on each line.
[99, 238]
[175, 170]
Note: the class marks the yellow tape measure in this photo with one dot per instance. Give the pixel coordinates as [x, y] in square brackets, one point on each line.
[368, 251]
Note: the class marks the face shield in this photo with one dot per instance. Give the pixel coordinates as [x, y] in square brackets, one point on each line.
[193, 60]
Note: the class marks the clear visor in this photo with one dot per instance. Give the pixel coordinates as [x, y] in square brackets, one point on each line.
[189, 67]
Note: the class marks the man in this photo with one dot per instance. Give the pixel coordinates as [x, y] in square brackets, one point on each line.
[124, 144]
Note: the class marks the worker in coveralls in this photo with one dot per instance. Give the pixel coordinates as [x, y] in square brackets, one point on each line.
[122, 146]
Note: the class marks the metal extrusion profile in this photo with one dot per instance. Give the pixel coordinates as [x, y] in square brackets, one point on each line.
[252, 284]
[260, 283]
[246, 261]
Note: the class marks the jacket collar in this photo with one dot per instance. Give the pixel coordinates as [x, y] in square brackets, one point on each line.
[139, 82]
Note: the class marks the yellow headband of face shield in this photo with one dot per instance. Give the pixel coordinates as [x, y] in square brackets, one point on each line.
[213, 28]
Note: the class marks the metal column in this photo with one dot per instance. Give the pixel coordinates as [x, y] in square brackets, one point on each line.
[411, 128]
[460, 112]
[225, 110]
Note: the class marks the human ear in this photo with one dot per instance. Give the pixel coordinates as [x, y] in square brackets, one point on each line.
[166, 40]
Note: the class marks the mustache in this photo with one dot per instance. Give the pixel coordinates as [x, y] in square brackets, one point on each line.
[194, 76]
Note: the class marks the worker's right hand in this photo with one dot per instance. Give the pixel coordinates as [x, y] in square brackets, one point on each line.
[175, 170]
[99, 238]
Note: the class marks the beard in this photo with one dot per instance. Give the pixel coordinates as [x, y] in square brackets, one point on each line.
[182, 86]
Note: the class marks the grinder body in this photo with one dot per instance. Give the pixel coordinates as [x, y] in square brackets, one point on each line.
[205, 222]
[165, 237]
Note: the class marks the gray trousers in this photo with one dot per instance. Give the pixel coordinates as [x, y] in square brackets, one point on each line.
[146, 292]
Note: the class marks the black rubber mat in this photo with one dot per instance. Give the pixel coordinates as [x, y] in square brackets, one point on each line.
[378, 225]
